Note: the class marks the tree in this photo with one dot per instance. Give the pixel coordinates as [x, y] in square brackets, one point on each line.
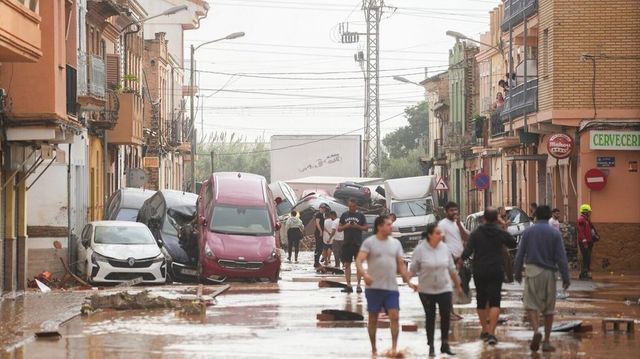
[232, 153]
[404, 139]
[407, 166]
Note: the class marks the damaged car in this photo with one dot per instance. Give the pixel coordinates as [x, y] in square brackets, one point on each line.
[165, 213]
[124, 204]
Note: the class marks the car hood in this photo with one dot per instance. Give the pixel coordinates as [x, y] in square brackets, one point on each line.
[123, 252]
[414, 221]
[240, 247]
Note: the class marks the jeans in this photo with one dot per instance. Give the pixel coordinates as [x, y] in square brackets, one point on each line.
[318, 251]
[586, 259]
[294, 244]
[337, 252]
[429, 302]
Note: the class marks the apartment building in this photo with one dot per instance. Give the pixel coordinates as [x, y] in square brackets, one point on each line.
[437, 97]
[570, 75]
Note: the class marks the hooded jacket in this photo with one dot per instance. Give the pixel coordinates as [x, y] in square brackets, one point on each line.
[485, 244]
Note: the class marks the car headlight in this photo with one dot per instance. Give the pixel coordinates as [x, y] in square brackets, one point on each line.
[275, 254]
[207, 251]
[97, 257]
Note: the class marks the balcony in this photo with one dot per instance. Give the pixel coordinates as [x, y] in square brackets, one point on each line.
[92, 81]
[128, 130]
[438, 150]
[20, 34]
[521, 100]
[516, 10]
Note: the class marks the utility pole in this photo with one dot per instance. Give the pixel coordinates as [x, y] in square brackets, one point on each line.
[371, 68]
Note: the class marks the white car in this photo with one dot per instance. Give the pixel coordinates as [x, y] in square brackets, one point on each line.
[519, 221]
[118, 251]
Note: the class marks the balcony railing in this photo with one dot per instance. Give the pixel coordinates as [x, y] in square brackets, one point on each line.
[438, 149]
[129, 128]
[97, 81]
[496, 125]
[515, 11]
[521, 100]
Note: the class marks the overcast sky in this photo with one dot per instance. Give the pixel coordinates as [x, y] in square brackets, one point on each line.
[295, 77]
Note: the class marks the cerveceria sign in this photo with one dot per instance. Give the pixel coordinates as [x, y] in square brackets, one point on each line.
[614, 140]
[560, 146]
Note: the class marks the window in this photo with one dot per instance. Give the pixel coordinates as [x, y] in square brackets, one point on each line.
[123, 235]
[31, 5]
[545, 53]
[241, 220]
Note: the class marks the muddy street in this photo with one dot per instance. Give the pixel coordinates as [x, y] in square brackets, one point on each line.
[264, 320]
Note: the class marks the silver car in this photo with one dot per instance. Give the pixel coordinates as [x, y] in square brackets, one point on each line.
[518, 218]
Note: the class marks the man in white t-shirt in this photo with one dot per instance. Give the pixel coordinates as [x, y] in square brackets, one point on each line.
[555, 219]
[455, 237]
[328, 236]
[338, 241]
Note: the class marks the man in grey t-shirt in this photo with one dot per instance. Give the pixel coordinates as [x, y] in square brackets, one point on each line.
[383, 255]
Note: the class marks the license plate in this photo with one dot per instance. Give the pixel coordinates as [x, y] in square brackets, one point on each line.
[415, 238]
[191, 272]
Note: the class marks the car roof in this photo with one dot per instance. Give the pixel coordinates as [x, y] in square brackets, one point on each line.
[479, 214]
[116, 224]
[175, 198]
[134, 197]
[240, 188]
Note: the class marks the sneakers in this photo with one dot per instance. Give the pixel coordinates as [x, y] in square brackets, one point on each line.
[358, 289]
[445, 349]
[548, 348]
[347, 290]
[484, 336]
[432, 352]
[535, 342]
[492, 340]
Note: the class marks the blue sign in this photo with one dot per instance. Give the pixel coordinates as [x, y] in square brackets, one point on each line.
[482, 181]
[605, 161]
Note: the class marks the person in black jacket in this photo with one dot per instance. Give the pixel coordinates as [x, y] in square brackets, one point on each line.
[485, 244]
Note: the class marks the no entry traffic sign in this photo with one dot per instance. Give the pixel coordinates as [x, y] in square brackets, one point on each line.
[482, 181]
[595, 179]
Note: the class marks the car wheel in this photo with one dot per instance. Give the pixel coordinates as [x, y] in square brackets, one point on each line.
[275, 278]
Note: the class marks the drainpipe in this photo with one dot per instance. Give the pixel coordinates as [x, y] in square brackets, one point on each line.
[105, 173]
[71, 242]
[526, 60]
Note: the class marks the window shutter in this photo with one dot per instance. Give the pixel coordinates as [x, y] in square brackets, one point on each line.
[113, 70]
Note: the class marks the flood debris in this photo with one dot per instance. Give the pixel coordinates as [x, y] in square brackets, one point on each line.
[630, 324]
[569, 326]
[43, 287]
[131, 300]
[49, 331]
[332, 315]
[331, 284]
[329, 270]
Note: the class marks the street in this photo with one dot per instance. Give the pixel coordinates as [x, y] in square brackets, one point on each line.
[263, 320]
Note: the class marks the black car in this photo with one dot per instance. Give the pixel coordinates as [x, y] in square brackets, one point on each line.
[346, 190]
[165, 213]
[309, 205]
[124, 204]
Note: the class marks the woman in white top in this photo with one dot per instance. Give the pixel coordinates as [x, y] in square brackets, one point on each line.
[433, 264]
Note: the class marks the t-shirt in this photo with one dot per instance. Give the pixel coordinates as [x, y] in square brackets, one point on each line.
[319, 215]
[353, 235]
[339, 236]
[382, 263]
[433, 266]
[328, 228]
[554, 223]
[452, 236]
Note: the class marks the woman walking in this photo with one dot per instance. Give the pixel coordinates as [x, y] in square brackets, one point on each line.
[295, 232]
[433, 264]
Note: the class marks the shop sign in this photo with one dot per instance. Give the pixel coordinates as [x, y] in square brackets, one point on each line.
[614, 140]
[605, 161]
[560, 146]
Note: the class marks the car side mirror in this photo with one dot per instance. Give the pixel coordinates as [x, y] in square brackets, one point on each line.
[278, 226]
[202, 221]
[160, 243]
[85, 243]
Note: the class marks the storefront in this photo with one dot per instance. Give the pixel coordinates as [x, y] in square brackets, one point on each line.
[611, 150]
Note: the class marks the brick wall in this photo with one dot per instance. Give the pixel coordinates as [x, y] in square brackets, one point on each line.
[610, 30]
[618, 245]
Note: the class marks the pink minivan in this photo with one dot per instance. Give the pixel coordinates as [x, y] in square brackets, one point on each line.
[238, 228]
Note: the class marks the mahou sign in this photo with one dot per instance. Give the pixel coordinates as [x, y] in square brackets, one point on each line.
[560, 146]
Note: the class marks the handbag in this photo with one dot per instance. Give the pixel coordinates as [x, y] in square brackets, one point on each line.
[594, 234]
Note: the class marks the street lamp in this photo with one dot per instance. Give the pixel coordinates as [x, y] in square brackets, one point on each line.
[405, 80]
[461, 36]
[192, 116]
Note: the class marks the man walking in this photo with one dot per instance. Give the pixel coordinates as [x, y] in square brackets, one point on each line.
[383, 255]
[555, 219]
[318, 220]
[352, 223]
[542, 250]
[485, 244]
[587, 235]
[455, 236]
[338, 242]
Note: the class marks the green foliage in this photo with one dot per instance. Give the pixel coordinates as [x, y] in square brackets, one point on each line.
[407, 166]
[232, 153]
[401, 141]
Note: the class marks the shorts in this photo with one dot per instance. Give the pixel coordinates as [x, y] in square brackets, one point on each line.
[540, 290]
[349, 252]
[488, 288]
[326, 246]
[378, 299]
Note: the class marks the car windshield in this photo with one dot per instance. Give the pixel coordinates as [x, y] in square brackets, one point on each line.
[127, 214]
[410, 208]
[123, 235]
[284, 207]
[516, 216]
[241, 220]
[170, 226]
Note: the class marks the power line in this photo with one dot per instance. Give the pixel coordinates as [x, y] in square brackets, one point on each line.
[300, 78]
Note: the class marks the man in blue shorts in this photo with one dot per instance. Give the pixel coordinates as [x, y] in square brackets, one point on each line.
[383, 255]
